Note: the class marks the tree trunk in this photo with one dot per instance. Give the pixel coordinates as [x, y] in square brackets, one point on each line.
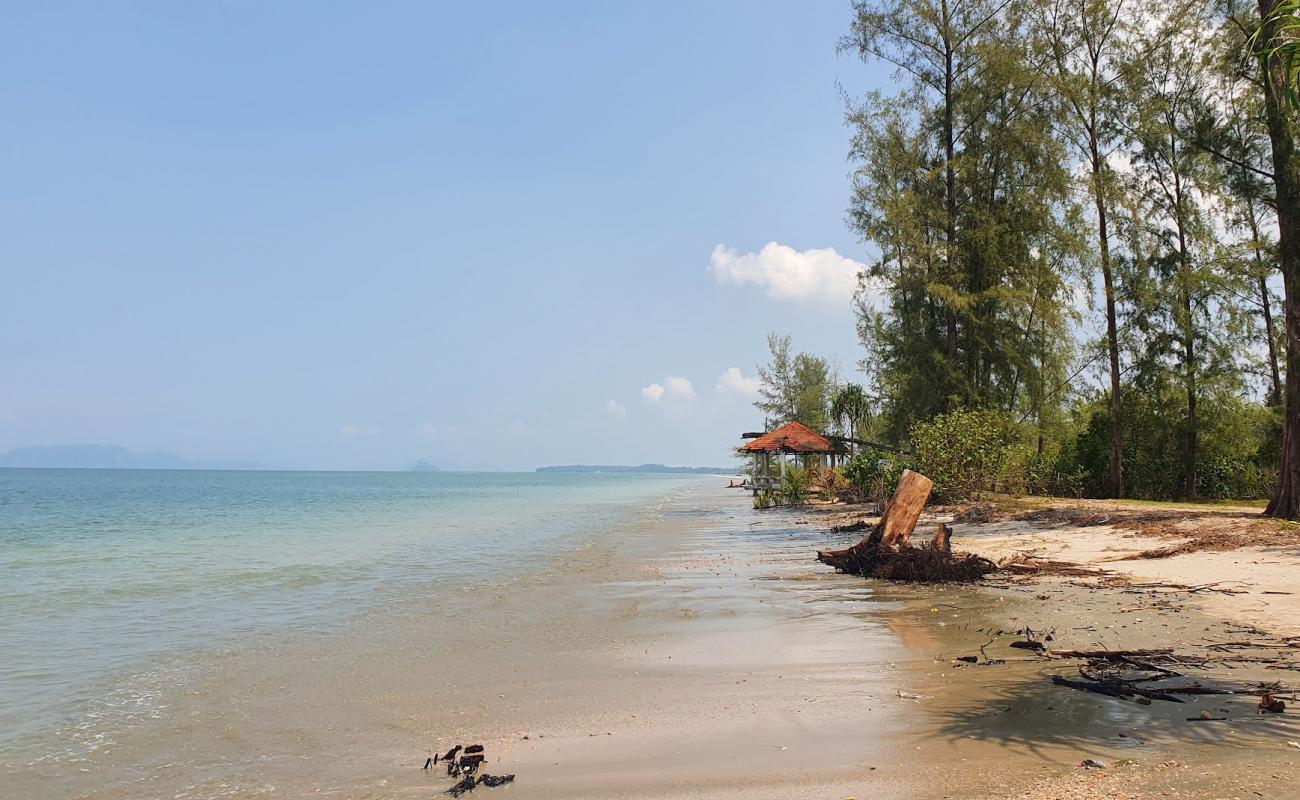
[1275, 393]
[1192, 434]
[950, 192]
[1282, 130]
[1115, 484]
[1189, 376]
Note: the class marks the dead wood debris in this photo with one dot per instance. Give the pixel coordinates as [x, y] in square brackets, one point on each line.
[1214, 539]
[1028, 563]
[464, 763]
[887, 553]
[1198, 529]
[852, 527]
[1144, 675]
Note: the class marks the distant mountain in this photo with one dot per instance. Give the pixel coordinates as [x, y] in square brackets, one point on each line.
[659, 469]
[98, 456]
[424, 466]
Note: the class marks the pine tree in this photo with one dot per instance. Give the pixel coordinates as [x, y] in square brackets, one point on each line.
[965, 192]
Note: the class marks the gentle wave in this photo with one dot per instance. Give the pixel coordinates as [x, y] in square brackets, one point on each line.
[109, 580]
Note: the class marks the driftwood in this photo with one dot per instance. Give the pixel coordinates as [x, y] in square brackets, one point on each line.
[1111, 655]
[464, 762]
[886, 552]
[1134, 674]
[1116, 688]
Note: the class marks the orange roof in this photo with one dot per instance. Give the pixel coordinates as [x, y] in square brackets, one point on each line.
[791, 438]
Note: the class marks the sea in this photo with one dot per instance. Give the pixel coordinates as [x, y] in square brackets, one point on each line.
[116, 585]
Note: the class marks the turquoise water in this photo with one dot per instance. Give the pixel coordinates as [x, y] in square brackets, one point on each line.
[106, 574]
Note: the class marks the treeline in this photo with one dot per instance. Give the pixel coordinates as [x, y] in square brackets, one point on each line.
[1083, 210]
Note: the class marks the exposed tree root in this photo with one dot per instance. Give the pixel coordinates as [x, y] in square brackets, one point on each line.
[886, 552]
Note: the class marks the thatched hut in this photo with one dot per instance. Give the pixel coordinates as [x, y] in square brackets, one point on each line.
[792, 439]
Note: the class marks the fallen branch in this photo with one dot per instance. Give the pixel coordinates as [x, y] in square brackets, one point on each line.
[1116, 688]
[1026, 564]
[1112, 655]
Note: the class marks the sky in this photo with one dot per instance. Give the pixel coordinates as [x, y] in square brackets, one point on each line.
[354, 236]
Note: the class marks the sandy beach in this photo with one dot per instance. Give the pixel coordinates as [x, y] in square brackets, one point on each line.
[1229, 611]
[732, 665]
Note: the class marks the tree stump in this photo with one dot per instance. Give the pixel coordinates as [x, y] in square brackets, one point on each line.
[893, 531]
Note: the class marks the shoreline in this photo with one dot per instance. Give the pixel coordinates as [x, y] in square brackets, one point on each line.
[697, 649]
[680, 652]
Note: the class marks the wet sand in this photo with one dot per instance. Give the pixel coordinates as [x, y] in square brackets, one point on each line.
[698, 652]
[695, 652]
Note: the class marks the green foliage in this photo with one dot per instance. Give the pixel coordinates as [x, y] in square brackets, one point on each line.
[1238, 447]
[966, 194]
[795, 387]
[963, 452]
[989, 184]
[764, 498]
[776, 391]
[1027, 471]
[1276, 44]
[874, 473]
[794, 487]
[813, 386]
[851, 409]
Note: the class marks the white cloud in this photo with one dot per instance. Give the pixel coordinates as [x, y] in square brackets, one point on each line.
[674, 389]
[818, 275]
[615, 409]
[733, 382]
[351, 431]
[677, 388]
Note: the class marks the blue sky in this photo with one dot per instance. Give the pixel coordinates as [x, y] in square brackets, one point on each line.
[356, 235]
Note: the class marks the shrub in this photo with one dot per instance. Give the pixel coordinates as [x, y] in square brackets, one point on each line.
[963, 452]
[869, 468]
[764, 498]
[794, 487]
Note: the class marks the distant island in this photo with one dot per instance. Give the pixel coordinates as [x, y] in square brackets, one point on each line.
[659, 469]
[99, 456]
[424, 466]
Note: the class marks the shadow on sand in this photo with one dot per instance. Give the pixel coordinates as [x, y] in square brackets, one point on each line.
[1024, 711]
